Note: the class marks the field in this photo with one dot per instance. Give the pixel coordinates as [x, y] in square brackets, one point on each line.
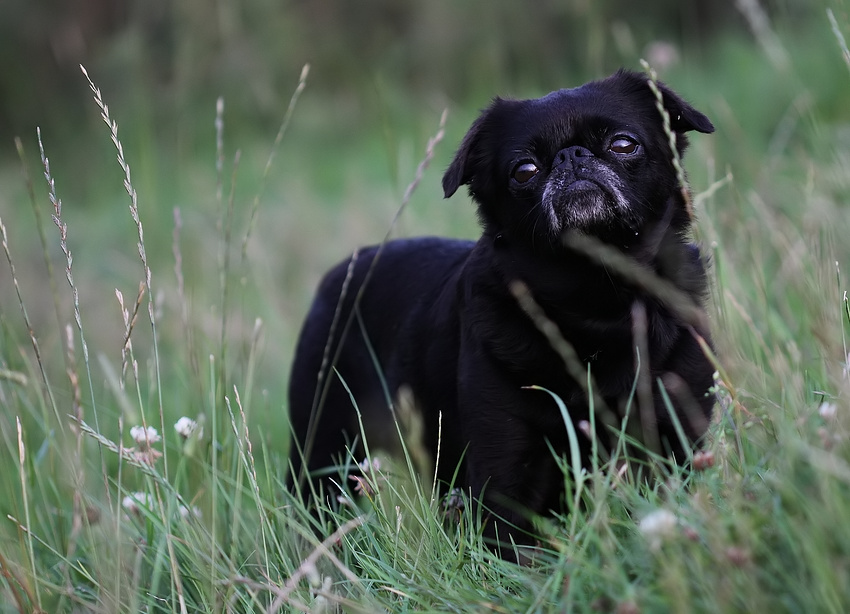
[170, 282]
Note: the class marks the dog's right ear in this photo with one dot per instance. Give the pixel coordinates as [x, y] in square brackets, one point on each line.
[469, 157]
[459, 172]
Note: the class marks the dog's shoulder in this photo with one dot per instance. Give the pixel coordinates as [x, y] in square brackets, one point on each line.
[685, 265]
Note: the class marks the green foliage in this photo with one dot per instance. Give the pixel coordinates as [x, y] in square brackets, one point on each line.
[99, 516]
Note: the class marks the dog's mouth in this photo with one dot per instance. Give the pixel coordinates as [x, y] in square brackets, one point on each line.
[580, 185]
[586, 203]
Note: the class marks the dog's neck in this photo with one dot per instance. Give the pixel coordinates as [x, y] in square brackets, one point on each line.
[661, 247]
[646, 245]
[651, 240]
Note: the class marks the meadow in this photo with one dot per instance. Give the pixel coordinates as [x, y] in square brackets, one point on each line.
[150, 297]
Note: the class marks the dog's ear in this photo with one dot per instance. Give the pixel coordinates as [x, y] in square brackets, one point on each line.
[460, 170]
[470, 156]
[683, 117]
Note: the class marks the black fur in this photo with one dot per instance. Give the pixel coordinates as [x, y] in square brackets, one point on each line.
[438, 316]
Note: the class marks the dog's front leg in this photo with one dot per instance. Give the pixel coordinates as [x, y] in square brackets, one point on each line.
[511, 468]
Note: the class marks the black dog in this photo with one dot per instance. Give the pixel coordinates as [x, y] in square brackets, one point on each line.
[439, 316]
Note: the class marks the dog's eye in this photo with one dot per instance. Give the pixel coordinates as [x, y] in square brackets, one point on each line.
[623, 145]
[525, 171]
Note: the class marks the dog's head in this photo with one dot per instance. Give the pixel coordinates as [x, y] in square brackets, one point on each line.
[595, 159]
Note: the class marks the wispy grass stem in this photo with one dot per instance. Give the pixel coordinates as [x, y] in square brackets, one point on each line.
[134, 213]
[22, 466]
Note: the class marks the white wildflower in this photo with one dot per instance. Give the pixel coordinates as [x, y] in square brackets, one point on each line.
[344, 500]
[703, 459]
[185, 426]
[374, 465]
[662, 55]
[133, 502]
[370, 479]
[658, 526]
[827, 410]
[144, 436]
[362, 485]
[322, 603]
[189, 512]
[312, 573]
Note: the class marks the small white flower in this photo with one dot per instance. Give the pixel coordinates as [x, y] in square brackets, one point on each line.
[658, 526]
[662, 55]
[185, 426]
[343, 500]
[313, 576]
[375, 465]
[827, 410]
[132, 502]
[370, 479]
[321, 603]
[189, 512]
[144, 436]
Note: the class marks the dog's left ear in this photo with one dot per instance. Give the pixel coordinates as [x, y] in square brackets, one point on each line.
[683, 117]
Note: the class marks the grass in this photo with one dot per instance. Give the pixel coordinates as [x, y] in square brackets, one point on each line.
[98, 516]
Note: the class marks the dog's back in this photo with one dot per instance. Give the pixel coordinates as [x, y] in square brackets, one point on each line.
[401, 332]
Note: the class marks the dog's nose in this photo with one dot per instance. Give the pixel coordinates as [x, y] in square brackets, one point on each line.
[573, 155]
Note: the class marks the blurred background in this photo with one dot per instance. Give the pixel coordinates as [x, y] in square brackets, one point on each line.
[770, 75]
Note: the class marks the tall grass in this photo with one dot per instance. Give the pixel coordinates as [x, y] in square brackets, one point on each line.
[102, 516]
